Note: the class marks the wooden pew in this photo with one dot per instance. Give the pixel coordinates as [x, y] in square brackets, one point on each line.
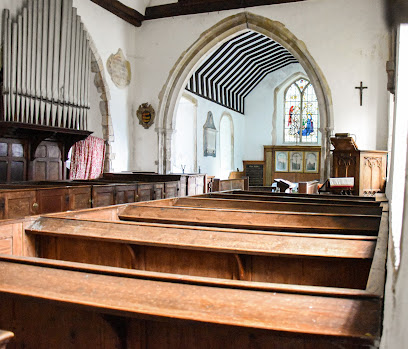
[111, 307]
[5, 337]
[328, 196]
[261, 220]
[227, 254]
[259, 205]
[290, 198]
[229, 184]
[164, 310]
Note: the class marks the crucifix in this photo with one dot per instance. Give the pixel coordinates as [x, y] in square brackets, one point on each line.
[361, 88]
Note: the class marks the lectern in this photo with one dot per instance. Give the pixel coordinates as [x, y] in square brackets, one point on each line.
[368, 167]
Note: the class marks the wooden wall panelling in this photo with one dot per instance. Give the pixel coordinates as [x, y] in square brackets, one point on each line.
[48, 162]
[303, 176]
[159, 191]
[125, 193]
[103, 195]
[13, 160]
[80, 197]
[171, 190]
[145, 191]
[52, 199]
[17, 203]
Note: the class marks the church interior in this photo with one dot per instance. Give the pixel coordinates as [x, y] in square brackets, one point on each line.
[203, 174]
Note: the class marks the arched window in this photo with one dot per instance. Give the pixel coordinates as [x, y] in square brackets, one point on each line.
[301, 113]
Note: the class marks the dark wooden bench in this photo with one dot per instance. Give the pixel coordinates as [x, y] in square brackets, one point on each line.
[226, 253]
[261, 220]
[110, 307]
[259, 205]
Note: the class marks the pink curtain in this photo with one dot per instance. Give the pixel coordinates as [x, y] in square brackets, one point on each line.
[87, 158]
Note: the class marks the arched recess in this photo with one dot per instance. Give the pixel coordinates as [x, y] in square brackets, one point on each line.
[226, 143]
[207, 42]
[104, 105]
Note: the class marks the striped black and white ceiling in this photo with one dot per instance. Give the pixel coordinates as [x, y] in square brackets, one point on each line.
[228, 75]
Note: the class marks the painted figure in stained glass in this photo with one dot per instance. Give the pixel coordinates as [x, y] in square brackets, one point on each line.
[301, 113]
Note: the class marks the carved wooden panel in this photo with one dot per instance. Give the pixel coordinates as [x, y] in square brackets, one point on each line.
[13, 163]
[125, 193]
[159, 191]
[47, 164]
[171, 190]
[145, 191]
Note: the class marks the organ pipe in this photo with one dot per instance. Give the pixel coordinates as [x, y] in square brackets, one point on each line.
[46, 65]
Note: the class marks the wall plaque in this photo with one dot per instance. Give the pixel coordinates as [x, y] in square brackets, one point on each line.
[119, 69]
[210, 136]
[146, 115]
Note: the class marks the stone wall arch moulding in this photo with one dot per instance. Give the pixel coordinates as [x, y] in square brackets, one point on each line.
[220, 32]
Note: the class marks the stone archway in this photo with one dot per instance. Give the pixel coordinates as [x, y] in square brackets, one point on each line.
[104, 105]
[208, 40]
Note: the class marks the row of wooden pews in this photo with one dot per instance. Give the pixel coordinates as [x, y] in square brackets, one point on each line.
[223, 270]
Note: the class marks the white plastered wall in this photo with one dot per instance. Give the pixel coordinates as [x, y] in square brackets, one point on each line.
[347, 38]
[264, 115]
[210, 164]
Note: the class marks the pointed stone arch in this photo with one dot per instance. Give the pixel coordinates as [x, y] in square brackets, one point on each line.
[104, 104]
[206, 43]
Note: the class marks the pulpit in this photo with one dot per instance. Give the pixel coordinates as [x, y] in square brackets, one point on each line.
[368, 167]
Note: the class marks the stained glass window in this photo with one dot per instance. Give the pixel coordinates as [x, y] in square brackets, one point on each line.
[301, 113]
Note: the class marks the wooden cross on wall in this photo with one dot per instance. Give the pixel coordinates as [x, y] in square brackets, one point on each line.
[361, 88]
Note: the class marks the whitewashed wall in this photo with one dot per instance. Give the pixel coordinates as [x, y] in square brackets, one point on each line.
[210, 164]
[347, 38]
[259, 113]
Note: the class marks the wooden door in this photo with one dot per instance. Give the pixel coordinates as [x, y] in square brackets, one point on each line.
[17, 204]
[52, 199]
[13, 163]
[80, 197]
[160, 191]
[125, 193]
[47, 164]
[171, 190]
[103, 195]
[145, 191]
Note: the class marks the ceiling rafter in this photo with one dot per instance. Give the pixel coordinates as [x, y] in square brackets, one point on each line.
[189, 7]
[128, 14]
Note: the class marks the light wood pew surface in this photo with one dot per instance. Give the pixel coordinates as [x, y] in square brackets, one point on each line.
[223, 240]
[5, 337]
[322, 196]
[259, 205]
[308, 198]
[276, 311]
[264, 220]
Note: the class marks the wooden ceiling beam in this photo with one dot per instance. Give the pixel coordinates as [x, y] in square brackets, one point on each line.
[195, 6]
[128, 14]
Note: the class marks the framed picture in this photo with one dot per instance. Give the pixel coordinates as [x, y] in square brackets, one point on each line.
[311, 161]
[296, 161]
[281, 161]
